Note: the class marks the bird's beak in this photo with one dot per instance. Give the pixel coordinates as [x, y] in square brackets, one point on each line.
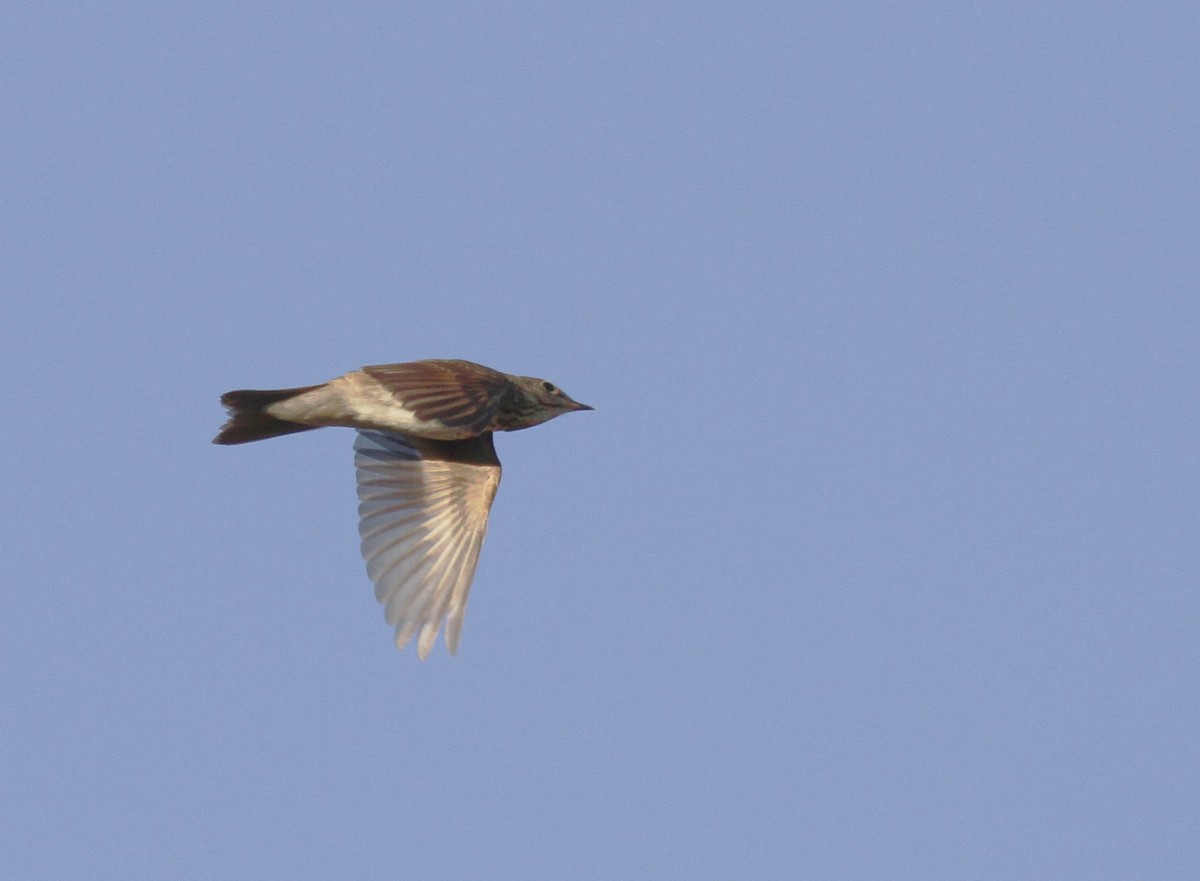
[579, 406]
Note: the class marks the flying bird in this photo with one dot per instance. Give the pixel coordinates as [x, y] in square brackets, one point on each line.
[427, 471]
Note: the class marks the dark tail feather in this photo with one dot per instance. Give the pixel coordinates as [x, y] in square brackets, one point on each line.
[247, 419]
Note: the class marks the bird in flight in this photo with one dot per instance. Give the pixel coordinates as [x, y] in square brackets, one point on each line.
[427, 471]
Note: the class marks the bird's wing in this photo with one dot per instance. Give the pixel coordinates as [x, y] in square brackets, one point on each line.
[423, 512]
[458, 394]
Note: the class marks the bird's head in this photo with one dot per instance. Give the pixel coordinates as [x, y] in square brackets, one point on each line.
[542, 401]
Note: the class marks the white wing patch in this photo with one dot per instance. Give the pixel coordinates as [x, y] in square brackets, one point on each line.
[422, 520]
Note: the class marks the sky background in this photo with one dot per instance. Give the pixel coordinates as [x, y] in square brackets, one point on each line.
[878, 558]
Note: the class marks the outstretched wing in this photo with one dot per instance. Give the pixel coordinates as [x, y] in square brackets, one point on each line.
[423, 511]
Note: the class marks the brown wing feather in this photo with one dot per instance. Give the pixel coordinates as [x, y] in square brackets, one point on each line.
[456, 393]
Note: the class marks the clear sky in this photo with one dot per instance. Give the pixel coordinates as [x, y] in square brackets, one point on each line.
[878, 558]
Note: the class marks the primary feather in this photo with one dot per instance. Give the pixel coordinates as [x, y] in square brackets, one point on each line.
[423, 512]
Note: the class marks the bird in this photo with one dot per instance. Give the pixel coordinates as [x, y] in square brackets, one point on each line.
[426, 468]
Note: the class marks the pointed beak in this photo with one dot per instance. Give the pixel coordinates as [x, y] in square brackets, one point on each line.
[579, 406]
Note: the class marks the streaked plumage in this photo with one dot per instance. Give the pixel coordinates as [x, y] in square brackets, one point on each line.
[427, 471]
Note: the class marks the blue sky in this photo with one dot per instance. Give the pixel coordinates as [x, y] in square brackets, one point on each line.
[878, 558]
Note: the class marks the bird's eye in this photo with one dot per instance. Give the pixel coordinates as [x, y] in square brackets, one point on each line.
[549, 387]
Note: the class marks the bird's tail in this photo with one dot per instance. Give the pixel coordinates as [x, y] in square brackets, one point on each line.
[249, 420]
